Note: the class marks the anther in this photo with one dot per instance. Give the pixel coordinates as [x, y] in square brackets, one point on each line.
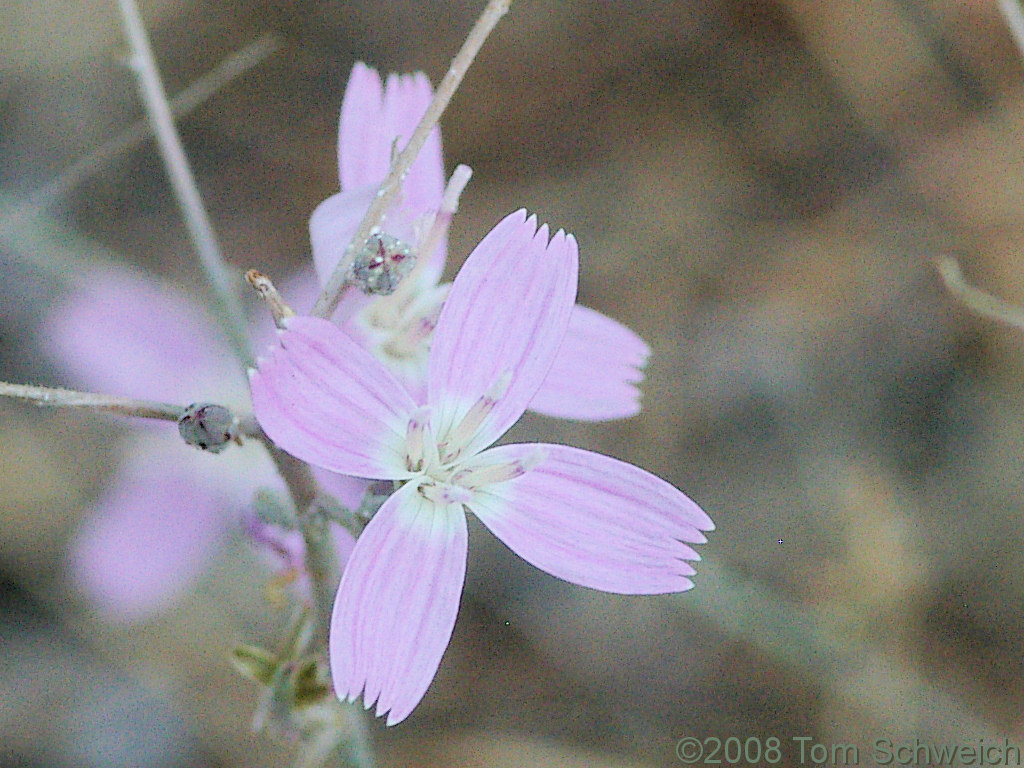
[460, 437]
[414, 439]
[478, 477]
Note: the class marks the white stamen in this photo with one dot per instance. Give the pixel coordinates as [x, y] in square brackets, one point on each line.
[460, 437]
[408, 340]
[414, 442]
[478, 477]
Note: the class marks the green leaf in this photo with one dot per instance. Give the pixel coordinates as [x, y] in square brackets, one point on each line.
[257, 664]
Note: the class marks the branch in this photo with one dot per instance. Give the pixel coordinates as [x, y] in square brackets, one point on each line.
[977, 300]
[231, 314]
[1014, 16]
[392, 184]
[69, 398]
[202, 89]
[194, 415]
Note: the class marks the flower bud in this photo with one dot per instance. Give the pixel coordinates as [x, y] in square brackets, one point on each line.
[381, 263]
[208, 427]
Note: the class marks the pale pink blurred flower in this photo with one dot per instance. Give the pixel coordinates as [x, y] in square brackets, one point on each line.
[596, 373]
[581, 516]
[161, 520]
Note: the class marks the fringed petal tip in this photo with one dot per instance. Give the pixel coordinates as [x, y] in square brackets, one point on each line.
[596, 372]
[506, 312]
[397, 603]
[595, 521]
[373, 115]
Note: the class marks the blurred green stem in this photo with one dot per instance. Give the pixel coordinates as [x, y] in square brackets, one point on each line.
[320, 561]
[850, 669]
[223, 283]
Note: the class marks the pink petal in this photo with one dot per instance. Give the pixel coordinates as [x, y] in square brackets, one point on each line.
[123, 333]
[153, 533]
[397, 603]
[346, 489]
[594, 521]
[371, 119]
[360, 161]
[332, 226]
[406, 98]
[335, 221]
[327, 401]
[596, 371]
[506, 315]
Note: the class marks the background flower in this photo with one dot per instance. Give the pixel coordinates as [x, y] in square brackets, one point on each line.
[159, 522]
[596, 375]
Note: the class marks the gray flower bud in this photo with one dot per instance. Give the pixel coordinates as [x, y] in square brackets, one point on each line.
[208, 427]
[381, 263]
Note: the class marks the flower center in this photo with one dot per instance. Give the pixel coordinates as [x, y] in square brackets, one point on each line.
[454, 445]
[447, 470]
[401, 326]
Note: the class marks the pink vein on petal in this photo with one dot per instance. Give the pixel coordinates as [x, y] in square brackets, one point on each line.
[360, 162]
[596, 371]
[594, 521]
[506, 313]
[372, 117]
[397, 603]
[326, 400]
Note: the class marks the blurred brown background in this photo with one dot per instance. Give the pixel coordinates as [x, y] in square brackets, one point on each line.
[760, 189]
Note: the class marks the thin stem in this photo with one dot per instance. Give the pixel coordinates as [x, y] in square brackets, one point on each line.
[269, 294]
[320, 562]
[392, 184]
[69, 398]
[977, 300]
[1014, 16]
[202, 89]
[319, 556]
[388, 309]
[58, 397]
[222, 282]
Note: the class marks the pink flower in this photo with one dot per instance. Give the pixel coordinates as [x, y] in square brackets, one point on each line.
[163, 518]
[581, 516]
[596, 373]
